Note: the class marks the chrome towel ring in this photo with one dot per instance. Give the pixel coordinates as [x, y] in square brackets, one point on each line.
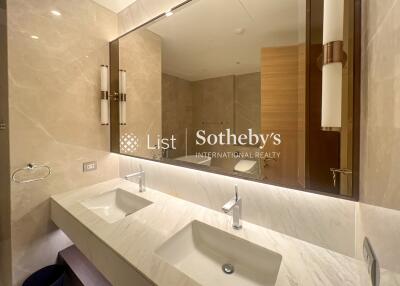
[30, 168]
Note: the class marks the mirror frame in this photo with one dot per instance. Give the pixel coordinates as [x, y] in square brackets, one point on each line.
[114, 104]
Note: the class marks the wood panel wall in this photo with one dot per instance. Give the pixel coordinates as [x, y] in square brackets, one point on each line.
[280, 112]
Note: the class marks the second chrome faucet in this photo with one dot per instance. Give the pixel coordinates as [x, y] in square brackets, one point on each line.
[235, 205]
[142, 179]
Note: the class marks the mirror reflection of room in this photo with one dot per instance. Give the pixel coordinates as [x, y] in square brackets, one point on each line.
[216, 77]
[245, 75]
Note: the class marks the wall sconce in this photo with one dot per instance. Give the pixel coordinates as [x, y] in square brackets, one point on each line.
[104, 104]
[122, 97]
[332, 70]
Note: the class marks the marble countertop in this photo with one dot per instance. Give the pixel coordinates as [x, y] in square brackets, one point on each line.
[136, 237]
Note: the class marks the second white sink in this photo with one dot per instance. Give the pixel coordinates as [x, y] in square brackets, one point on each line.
[115, 205]
[207, 255]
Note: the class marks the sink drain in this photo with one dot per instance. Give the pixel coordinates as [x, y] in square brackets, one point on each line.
[228, 268]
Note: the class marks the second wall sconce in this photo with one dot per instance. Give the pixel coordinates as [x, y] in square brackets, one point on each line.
[104, 103]
[332, 70]
[122, 97]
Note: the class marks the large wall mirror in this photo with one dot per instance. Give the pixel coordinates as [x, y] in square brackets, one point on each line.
[262, 90]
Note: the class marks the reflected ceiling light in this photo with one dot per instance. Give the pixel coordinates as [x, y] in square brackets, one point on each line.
[239, 31]
[332, 70]
[34, 37]
[169, 13]
[55, 13]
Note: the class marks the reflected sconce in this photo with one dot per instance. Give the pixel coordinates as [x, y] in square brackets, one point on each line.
[122, 97]
[332, 69]
[104, 103]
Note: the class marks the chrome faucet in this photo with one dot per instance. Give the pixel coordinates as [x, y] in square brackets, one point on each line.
[142, 179]
[235, 205]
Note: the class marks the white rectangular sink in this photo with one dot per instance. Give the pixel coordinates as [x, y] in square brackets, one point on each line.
[201, 252]
[115, 205]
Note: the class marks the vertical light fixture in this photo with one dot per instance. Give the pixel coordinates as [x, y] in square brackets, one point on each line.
[104, 104]
[122, 94]
[332, 70]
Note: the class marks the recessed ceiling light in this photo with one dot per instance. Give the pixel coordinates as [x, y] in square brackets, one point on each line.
[169, 13]
[35, 37]
[55, 13]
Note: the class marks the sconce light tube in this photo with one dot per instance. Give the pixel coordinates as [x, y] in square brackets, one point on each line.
[123, 81]
[332, 70]
[122, 97]
[123, 109]
[104, 78]
[104, 103]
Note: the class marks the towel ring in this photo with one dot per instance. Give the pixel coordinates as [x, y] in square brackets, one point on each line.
[30, 167]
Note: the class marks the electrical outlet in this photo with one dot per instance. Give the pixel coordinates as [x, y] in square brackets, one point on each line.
[89, 166]
[372, 262]
[3, 125]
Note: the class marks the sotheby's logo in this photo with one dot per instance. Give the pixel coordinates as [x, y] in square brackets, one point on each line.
[229, 138]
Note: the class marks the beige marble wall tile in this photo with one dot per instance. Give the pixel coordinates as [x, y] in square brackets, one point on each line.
[140, 56]
[375, 14]
[213, 112]
[381, 226]
[247, 103]
[378, 215]
[380, 153]
[54, 115]
[177, 114]
[213, 104]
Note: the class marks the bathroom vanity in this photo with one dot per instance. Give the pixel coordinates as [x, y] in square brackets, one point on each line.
[151, 238]
[244, 94]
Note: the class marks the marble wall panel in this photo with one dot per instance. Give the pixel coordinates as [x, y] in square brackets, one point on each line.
[247, 103]
[380, 119]
[54, 85]
[140, 56]
[177, 114]
[378, 215]
[381, 226]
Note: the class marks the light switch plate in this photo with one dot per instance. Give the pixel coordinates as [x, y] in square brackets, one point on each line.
[89, 166]
[372, 262]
